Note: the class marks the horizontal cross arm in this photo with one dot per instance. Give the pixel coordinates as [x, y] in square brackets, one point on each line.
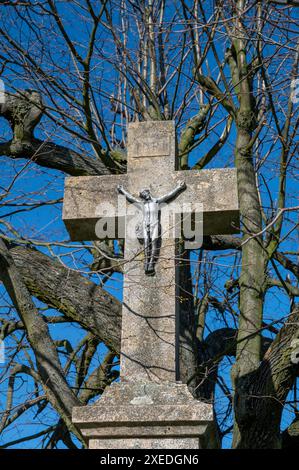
[88, 199]
[216, 190]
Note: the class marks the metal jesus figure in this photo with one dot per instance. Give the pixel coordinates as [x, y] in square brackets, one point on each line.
[151, 226]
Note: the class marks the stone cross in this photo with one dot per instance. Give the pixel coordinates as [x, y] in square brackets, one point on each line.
[149, 344]
[148, 349]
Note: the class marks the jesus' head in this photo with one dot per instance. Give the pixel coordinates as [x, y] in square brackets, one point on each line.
[145, 194]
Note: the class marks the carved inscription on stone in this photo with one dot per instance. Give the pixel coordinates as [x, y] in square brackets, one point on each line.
[152, 146]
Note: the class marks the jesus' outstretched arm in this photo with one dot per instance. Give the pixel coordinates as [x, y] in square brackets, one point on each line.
[128, 195]
[180, 187]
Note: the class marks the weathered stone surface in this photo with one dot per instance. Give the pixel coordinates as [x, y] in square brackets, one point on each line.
[149, 307]
[85, 200]
[146, 443]
[153, 416]
[216, 189]
[150, 146]
[160, 394]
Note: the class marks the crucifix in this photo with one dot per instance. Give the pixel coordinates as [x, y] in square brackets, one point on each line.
[151, 226]
[149, 344]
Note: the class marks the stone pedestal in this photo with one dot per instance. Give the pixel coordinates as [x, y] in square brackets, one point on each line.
[147, 416]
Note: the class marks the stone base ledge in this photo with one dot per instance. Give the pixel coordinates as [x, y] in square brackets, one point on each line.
[154, 416]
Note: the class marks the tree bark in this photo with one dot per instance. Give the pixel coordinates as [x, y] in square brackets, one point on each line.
[48, 365]
[267, 389]
[72, 294]
[252, 278]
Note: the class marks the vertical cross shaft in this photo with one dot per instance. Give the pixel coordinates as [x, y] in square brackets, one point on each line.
[148, 349]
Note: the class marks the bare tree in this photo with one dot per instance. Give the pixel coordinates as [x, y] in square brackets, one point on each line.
[75, 74]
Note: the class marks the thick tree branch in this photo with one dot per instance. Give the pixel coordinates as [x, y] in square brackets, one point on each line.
[193, 127]
[216, 147]
[221, 242]
[72, 294]
[23, 111]
[54, 156]
[262, 393]
[211, 87]
[48, 365]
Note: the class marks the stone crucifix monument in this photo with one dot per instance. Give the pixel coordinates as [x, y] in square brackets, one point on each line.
[149, 407]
